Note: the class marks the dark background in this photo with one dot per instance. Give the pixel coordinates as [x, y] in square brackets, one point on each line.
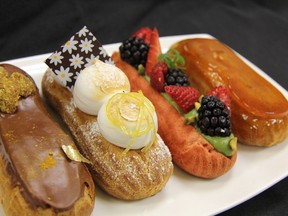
[256, 29]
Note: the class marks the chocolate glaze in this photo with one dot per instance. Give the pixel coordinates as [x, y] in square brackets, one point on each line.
[31, 145]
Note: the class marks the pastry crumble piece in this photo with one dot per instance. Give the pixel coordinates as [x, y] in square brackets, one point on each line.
[12, 88]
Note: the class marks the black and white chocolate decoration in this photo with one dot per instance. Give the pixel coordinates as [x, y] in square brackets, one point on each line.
[76, 54]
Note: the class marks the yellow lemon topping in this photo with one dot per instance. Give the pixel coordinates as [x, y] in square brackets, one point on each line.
[133, 114]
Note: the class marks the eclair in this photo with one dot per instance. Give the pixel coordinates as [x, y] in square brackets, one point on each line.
[115, 129]
[259, 110]
[37, 178]
[196, 129]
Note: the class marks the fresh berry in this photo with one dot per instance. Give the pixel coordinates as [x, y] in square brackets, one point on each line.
[222, 93]
[176, 76]
[154, 51]
[134, 51]
[157, 76]
[143, 33]
[184, 96]
[213, 117]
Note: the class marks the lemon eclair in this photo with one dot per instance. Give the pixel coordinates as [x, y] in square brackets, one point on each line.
[114, 129]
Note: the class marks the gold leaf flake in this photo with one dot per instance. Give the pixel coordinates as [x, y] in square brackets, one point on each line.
[74, 154]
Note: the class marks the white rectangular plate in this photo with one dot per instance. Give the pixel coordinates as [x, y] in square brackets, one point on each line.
[256, 168]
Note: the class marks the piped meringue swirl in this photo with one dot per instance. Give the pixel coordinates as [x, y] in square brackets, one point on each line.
[96, 84]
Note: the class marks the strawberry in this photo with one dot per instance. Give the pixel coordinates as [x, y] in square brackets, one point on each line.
[222, 93]
[157, 76]
[144, 33]
[154, 51]
[184, 96]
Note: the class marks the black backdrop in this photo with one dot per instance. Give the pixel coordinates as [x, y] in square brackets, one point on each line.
[256, 29]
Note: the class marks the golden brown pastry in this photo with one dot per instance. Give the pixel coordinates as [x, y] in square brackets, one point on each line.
[36, 176]
[129, 175]
[259, 110]
[190, 151]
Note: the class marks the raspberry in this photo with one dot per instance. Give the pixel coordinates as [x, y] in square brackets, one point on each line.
[144, 33]
[222, 93]
[157, 76]
[213, 117]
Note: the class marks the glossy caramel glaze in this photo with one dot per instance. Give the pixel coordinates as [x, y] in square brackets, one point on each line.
[31, 147]
[259, 110]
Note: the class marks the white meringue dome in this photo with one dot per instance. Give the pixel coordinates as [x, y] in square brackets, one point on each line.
[96, 84]
[128, 120]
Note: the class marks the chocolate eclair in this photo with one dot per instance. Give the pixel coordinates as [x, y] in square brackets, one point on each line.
[37, 178]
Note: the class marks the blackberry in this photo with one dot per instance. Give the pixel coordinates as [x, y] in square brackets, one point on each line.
[134, 51]
[213, 117]
[176, 76]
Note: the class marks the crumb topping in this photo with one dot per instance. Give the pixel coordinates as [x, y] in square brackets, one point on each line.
[12, 88]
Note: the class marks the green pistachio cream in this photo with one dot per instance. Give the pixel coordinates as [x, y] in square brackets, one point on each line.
[225, 145]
